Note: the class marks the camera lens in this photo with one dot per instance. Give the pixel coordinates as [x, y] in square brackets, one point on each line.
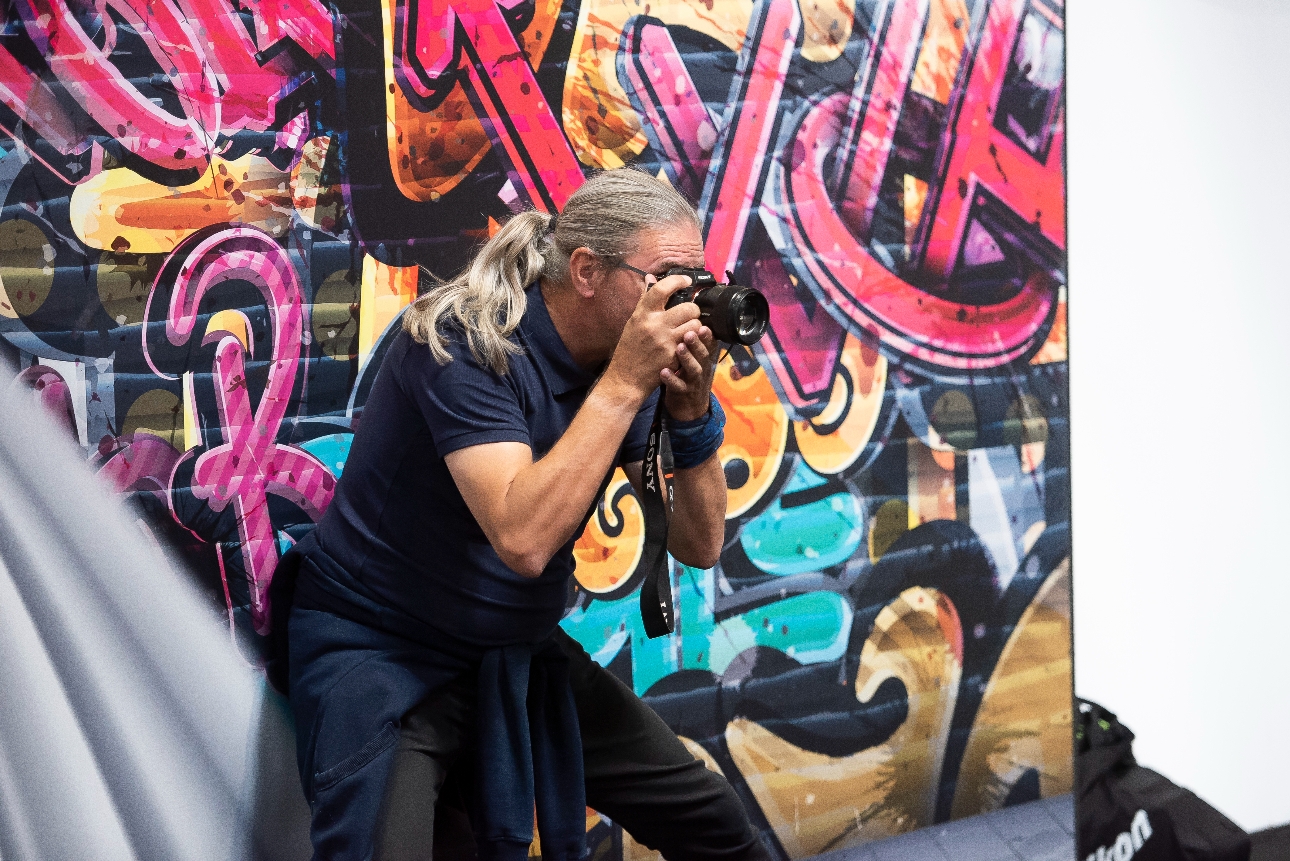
[741, 314]
[752, 314]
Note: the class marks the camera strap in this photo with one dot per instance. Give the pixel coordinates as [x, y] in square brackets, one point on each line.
[656, 589]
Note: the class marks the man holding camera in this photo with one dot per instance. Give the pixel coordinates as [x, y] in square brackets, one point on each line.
[424, 633]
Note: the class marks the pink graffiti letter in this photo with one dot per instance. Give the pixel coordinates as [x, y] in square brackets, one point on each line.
[250, 464]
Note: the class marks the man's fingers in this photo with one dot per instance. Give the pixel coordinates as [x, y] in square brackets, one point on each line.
[709, 340]
[681, 319]
[674, 382]
[690, 365]
[695, 343]
[685, 327]
[657, 294]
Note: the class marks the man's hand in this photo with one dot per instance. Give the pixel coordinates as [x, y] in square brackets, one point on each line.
[654, 341]
[689, 384]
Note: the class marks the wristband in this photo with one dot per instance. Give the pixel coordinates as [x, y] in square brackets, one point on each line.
[695, 441]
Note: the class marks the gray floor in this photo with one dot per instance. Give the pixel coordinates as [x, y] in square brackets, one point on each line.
[1039, 831]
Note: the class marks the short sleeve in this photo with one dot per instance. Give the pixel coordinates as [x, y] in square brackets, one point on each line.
[633, 450]
[464, 403]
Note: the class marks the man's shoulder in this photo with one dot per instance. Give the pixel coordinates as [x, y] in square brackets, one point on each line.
[415, 360]
[414, 353]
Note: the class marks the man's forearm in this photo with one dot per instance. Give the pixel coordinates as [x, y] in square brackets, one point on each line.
[546, 501]
[698, 526]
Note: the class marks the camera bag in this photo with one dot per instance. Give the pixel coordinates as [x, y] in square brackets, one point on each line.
[1123, 810]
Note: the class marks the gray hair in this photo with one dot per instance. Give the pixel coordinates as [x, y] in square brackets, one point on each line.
[606, 216]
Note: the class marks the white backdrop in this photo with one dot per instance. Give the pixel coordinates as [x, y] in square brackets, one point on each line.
[1179, 167]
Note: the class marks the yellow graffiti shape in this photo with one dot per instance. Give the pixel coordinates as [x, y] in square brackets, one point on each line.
[383, 294]
[121, 211]
[756, 434]
[123, 282]
[606, 559]
[431, 152]
[832, 441]
[818, 803]
[633, 851]
[26, 268]
[826, 27]
[1054, 348]
[930, 478]
[192, 430]
[954, 420]
[318, 203]
[333, 319]
[888, 524]
[156, 412]
[598, 119]
[942, 50]
[915, 198]
[1026, 427]
[1024, 721]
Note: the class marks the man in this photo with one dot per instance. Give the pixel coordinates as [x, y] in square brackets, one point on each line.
[426, 611]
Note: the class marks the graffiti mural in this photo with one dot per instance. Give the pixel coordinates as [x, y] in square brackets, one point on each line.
[214, 214]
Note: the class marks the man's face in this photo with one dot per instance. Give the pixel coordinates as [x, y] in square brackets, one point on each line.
[658, 250]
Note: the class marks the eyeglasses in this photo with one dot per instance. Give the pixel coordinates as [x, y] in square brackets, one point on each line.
[641, 272]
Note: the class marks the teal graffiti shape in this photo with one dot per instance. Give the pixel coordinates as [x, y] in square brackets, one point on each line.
[804, 530]
[810, 628]
[332, 449]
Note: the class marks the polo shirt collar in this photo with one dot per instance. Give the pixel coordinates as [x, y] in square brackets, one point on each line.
[547, 347]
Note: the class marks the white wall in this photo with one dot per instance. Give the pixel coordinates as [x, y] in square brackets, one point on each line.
[1179, 188]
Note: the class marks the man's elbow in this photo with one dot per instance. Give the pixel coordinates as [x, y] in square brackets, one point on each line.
[700, 556]
[523, 561]
[708, 561]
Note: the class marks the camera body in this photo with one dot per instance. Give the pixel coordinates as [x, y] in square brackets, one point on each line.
[736, 315]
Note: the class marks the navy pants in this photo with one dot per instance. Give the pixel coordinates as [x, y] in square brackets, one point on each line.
[638, 773]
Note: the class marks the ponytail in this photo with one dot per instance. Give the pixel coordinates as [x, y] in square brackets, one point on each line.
[486, 300]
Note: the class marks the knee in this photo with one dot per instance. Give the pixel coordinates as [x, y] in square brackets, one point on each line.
[710, 823]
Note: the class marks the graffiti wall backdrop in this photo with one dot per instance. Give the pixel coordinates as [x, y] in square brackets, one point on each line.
[212, 214]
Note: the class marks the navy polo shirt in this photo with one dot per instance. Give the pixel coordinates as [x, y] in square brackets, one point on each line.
[398, 525]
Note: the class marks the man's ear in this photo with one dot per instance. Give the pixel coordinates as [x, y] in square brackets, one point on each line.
[586, 271]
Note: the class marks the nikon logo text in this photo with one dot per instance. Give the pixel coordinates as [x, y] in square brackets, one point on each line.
[1128, 843]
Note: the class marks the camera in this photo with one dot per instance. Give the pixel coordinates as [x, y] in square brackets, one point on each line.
[736, 315]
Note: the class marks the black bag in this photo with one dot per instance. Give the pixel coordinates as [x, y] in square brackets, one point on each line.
[1124, 811]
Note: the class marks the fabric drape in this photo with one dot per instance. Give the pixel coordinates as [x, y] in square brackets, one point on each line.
[130, 728]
